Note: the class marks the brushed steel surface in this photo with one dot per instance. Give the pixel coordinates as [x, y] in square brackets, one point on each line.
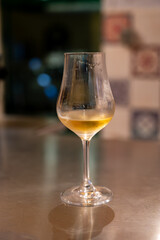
[35, 169]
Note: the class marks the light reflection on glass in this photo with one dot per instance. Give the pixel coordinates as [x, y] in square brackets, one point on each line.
[93, 157]
[158, 237]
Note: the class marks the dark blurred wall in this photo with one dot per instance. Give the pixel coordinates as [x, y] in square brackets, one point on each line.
[35, 36]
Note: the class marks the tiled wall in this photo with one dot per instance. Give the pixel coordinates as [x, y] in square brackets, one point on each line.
[130, 36]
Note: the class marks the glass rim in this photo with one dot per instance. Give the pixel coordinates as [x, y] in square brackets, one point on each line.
[83, 53]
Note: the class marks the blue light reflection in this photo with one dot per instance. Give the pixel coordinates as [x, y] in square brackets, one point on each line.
[43, 79]
[51, 91]
[35, 64]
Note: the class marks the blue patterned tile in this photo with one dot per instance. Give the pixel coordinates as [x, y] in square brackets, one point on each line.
[120, 89]
[145, 62]
[145, 124]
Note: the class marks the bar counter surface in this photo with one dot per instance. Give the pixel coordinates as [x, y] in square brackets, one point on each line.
[35, 168]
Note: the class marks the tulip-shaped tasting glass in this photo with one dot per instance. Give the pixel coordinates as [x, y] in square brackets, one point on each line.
[85, 106]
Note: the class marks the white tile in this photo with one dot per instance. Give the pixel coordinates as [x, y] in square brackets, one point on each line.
[117, 60]
[126, 5]
[145, 94]
[146, 22]
[147, 25]
[119, 127]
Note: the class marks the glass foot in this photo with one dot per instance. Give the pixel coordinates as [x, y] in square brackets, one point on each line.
[86, 196]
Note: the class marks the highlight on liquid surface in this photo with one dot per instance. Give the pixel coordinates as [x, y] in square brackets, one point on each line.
[85, 123]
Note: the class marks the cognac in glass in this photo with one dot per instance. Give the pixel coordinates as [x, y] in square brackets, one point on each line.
[85, 105]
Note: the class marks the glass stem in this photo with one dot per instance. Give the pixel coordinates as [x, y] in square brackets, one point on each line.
[86, 178]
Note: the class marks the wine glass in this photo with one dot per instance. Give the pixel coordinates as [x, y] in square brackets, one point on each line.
[85, 105]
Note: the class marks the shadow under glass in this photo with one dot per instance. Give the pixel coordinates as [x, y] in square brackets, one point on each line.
[70, 222]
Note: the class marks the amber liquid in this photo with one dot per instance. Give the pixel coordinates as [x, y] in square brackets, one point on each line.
[85, 123]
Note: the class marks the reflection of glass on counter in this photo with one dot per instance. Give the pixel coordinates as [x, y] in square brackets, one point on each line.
[79, 223]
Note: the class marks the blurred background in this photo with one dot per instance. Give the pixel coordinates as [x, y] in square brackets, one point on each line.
[34, 34]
